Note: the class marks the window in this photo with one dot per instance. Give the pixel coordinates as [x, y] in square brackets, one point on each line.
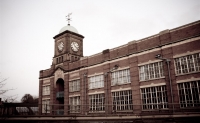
[96, 82]
[187, 64]
[154, 98]
[189, 94]
[46, 90]
[74, 85]
[96, 102]
[46, 106]
[59, 59]
[120, 77]
[74, 103]
[151, 71]
[122, 100]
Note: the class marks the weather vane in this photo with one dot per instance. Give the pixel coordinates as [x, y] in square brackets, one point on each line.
[68, 18]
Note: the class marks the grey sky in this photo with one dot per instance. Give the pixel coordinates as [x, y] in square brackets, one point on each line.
[27, 28]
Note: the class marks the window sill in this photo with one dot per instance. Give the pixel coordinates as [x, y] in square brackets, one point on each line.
[46, 113]
[151, 79]
[187, 73]
[121, 84]
[122, 111]
[96, 112]
[95, 88]
[46, 84]
[74, 112]
[46, 95]
[163, 109]
[190, 108]
[73, 91]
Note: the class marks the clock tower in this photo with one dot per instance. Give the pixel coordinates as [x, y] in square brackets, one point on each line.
[68, 45]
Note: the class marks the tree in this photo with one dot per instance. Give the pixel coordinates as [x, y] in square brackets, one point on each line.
[2, 83]
[4, 97]
[35, 99]
[27, 98]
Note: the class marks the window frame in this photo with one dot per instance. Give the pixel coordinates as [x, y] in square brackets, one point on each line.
[119, 101]
[123, 75]
[46, 90]
[98, 102]
[96, 81]
[187, 64]
[150, 97]
[148, 71]
[46, 102]
[74, 85]
[184, 94]
[76, 108]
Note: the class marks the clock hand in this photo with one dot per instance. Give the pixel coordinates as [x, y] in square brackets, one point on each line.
[74, 45]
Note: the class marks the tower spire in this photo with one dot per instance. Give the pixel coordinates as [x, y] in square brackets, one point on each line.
[68, 18]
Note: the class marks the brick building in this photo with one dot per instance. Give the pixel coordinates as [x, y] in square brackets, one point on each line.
[160, 72]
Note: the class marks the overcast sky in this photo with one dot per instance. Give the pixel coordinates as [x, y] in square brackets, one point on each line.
[27, 28]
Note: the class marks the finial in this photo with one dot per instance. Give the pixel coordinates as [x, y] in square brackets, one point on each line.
[68, 18]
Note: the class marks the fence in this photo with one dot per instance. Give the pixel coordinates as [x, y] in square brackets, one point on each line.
[14, 109]
[18, 109]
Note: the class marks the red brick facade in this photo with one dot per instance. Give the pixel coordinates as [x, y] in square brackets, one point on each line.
[170, 44]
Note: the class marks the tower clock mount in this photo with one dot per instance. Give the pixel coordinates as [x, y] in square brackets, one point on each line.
[75, 46]
[68, 44]
[60, 46]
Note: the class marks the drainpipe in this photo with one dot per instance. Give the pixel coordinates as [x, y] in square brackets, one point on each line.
[170, 82]
[169, 75]
[106, 80]
[84, 81]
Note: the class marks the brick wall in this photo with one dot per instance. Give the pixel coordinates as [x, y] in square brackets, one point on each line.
[158, 40]
[130, 55]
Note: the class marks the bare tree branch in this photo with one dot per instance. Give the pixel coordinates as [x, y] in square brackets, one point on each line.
[3, 91]
[10, 98]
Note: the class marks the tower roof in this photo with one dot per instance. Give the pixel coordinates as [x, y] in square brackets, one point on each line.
[69, 28]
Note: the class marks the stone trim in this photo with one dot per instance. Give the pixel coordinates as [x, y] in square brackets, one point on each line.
[121, 89]
[186, 53]
[149, 62]
[188, 80]
[96, 92]
[152, 85]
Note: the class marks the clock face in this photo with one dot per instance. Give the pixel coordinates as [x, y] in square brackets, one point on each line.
[60, 46]
[74, 46]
